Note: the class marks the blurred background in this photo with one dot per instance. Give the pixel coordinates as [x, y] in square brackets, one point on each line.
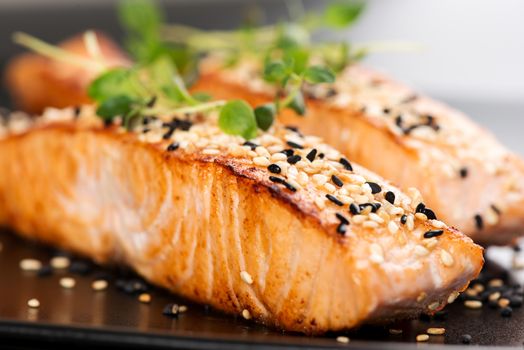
[472, 51]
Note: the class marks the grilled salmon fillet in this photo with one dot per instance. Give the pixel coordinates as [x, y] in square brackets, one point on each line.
[281, 229]
[36, 82]
[469, 179]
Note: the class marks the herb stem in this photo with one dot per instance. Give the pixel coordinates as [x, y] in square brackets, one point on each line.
[190, 109]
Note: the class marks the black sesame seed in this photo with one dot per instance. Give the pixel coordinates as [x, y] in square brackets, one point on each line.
[410, 98]
[277, 180]
[375, 188]
[515, 301]
[441, 315]
[342, 218]
[433, 233]
[331, 92]
[294, 159]
[430, 214]
[151, 102]
[275, 169]
[495, 209]
[289, 186]
[170, 310]
[80, 267]
[506, 312]
[465, 339]
[146, 130]
[341, 228]
[321, 155]
[334, 200]
[386, 110]
[374, 206]
[167, 135]
[516, 248]
[479, 223]
[288, 152]
[354, 209]
[337, 181]
[294, 129]
[76, 111]
[399, 121]
[420, 208]
[294, 145]
[173, 147]
[390, 197]
[250, 144]
[403, 219]
[45, 271]
[346, 164]
[463, 172]
[311, 155]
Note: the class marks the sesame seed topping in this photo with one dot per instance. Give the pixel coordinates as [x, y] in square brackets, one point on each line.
[452, 297]
[288, 152]
[250, 144]
[479, 223]
[375, 188]
[463, 172]
[173, 147]
[403, 219]
[446, 258]
[342, 219]
[354, 209]
[346, 164]
[33, 303]
[311, 155]
[334, 200]
[342, 228]
[394, 331]
[390, 197]
[503, 302]
[277, 180]
[67, 282]
[342, 339]
[433, 233]
[392, 227]
[294, 145]
[246, 277]
[246, 314]
[420, 251]
[336, 181]
[273, 168]
[433, 306]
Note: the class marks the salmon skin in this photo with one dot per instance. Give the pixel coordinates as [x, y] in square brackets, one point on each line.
[466, 176]
[282, 229]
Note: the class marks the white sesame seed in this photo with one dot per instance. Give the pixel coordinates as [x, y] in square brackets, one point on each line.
[262, 151]
[370, 224]
[182, 309]
[320, 202]
[246, 314]
[392, 227]
[430, 242]
[433, 306]
[377, 254]
[358, 219]
[395, 210]
[452, 297]
[210, 151]
[410, 223]
[446, 258]
[473, 304]
[319, 179]
[30, 264]
[394, 331]
[67, 282]
[99, 285]
[33, 303]
[497, 282]
[144, 298]
[494, 296]
[421, 216]
[376, 218]
[329, 187]
[421, 297]
[302, 178]
[420, 251]
[436, 331]
[478, 287]
[357, 179]
[343, 340]
[60, 262]
[261, 161]
[437, 224]
[422, 337]
[278, 157]
[246, 277]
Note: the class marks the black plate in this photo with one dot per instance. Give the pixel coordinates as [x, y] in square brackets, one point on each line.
[87, 318]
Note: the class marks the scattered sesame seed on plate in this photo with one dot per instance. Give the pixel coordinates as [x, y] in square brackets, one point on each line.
[99, 285]
[67, 282]
[473, 304]
[33, 303]
[394, 331]
[436, 331]
[342, 339]
[503, 302]
[30, 264]
[422, 337]
[60, 262]
[144, 298]
[246, 277]
[182, 309]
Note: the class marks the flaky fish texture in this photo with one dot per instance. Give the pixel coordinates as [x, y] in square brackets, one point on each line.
[466, 176]
[282, 229]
